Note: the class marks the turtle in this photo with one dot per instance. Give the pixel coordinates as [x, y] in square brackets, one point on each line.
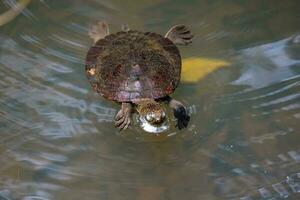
[139, 70]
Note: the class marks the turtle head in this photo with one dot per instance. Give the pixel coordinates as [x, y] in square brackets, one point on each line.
[151, 111]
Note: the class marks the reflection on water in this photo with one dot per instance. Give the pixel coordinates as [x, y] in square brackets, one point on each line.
[150, 128]
[269, 63]
[57, 136]
[15, 10]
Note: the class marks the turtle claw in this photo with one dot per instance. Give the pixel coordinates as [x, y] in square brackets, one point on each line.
[119, 115]
[119, 121]
[125, 124]
[123, 117]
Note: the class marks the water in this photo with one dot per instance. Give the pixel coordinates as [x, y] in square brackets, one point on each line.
[241, 86]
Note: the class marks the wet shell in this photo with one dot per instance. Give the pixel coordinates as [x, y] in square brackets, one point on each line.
[131, 65]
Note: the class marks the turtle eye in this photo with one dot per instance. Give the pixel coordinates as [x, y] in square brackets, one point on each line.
[149, 118]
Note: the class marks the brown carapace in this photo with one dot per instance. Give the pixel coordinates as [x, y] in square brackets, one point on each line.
[137, 69]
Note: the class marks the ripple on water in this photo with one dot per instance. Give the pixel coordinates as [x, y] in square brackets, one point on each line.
[58, 140]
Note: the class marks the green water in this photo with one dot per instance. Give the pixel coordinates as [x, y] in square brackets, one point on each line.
[58, 140]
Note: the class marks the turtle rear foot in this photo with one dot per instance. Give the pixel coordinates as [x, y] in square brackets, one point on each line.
[179, 34]
[98, 31]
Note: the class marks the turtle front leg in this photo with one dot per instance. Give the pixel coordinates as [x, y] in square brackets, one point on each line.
[123, 117]
[179, 34]
[180, 113]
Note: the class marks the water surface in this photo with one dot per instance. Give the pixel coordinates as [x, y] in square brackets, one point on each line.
[58, 140]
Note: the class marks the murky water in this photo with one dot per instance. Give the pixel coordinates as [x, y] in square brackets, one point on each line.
[241, 85]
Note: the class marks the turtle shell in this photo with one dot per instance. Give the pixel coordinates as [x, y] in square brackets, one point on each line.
[126, 66]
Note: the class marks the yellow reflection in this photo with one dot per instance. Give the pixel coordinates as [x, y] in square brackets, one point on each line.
[13, 12]
[194, 69]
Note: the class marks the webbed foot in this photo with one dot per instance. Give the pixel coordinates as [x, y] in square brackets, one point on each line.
[179, 34]
[123, 117]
